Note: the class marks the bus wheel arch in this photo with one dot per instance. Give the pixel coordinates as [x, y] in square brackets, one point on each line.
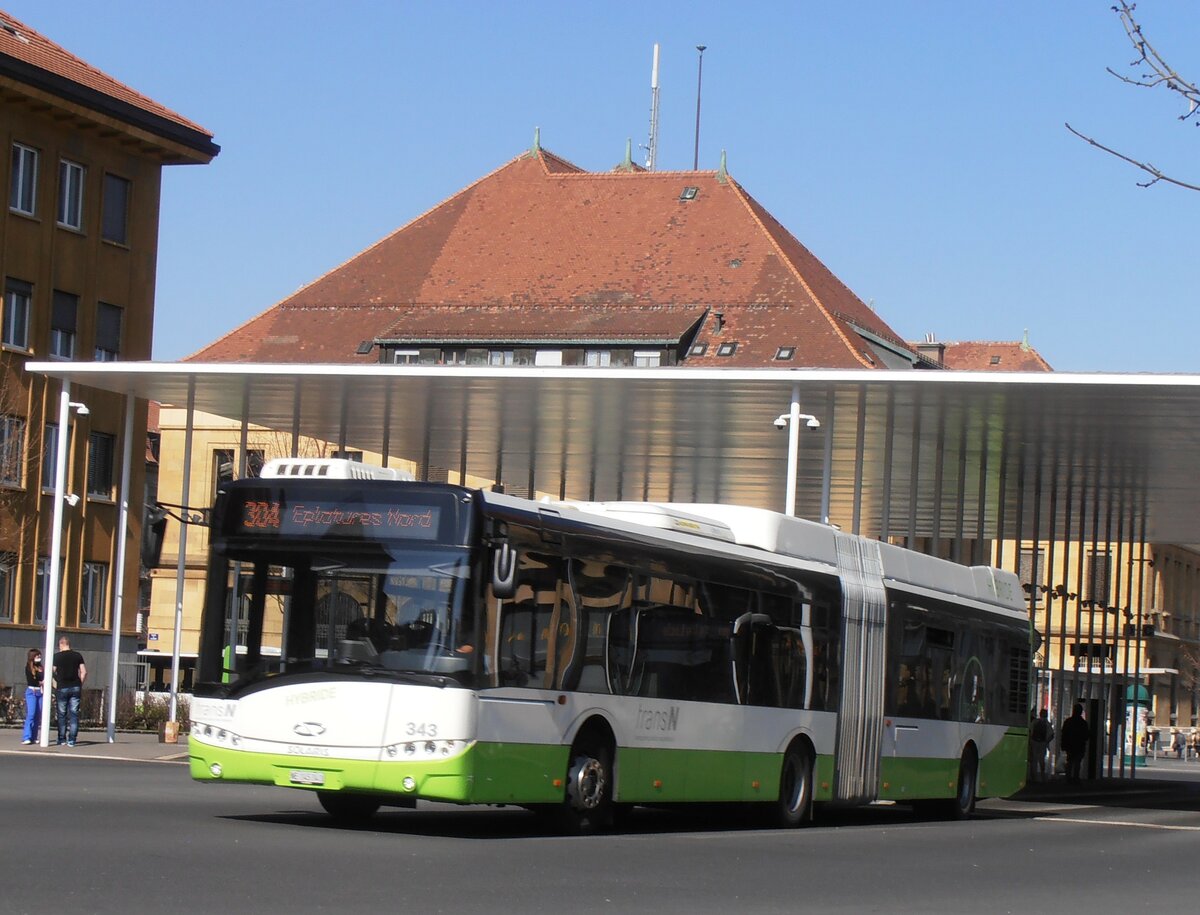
[794, 805]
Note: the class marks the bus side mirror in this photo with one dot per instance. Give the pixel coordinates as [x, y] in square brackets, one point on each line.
[504, 571]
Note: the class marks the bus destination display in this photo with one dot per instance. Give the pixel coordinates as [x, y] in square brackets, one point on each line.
[315, 518]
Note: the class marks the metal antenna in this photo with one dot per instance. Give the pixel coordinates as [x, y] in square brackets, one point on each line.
[699, 78]
[652, 149]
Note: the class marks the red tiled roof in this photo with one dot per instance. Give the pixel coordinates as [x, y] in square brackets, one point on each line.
[541, 241]
[21, 43]
[992, 356]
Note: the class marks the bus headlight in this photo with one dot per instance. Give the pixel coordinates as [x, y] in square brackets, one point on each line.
[409, 783]
[215, 769]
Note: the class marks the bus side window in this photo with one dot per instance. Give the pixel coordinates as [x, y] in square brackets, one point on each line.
[523, 630]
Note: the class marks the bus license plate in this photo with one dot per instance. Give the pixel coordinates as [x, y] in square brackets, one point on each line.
[304, 777]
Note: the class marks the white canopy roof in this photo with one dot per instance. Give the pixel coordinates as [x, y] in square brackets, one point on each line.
[912, 452]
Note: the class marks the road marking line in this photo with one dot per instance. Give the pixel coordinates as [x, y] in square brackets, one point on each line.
[71, 754]
[1117, 823]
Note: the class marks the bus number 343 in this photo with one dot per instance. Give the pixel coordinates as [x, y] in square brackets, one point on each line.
[420, 729]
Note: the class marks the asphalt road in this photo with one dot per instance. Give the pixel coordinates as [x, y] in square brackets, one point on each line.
[93, 835]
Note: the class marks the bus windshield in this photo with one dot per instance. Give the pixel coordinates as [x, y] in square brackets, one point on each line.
[396, 609]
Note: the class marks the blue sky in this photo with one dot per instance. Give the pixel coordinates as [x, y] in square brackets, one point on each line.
[917, 148]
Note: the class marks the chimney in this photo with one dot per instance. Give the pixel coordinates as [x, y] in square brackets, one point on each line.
[930, 348]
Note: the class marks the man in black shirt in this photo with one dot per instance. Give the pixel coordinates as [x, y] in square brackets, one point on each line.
[69, 674]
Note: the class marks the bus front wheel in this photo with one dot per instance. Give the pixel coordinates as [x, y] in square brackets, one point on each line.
[588, 805]
[794, 805]
[348, 809]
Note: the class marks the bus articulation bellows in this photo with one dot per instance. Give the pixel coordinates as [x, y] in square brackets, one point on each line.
[394, 641]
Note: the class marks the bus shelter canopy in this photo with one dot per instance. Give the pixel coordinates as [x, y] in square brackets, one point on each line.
[944, 454]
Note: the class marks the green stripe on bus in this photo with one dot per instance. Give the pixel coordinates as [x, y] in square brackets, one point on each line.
[1001, 773]
[519, 774]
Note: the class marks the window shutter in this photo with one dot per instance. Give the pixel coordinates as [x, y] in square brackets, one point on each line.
[108, 327]
[66, 308]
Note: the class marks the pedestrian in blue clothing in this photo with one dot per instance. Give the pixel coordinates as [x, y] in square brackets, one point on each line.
[34, 676]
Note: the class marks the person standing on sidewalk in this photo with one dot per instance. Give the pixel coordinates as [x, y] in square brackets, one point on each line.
[35, 674]
[1074, 740]
[69, 675]
[1040, 735]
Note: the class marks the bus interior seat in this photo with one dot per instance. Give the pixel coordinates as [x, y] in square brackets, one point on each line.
[593, 679]
[356, 650]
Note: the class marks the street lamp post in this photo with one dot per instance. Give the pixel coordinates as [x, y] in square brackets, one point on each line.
[54, 597]
[791, 420]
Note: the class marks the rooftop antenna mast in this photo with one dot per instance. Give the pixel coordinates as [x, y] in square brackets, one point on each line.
[652, 149]
[699, 77]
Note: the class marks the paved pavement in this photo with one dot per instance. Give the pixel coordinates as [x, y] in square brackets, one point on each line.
[130, 747]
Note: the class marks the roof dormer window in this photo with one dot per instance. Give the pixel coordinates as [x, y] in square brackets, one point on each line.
[726, 349]
[688, 193]
[785, 352]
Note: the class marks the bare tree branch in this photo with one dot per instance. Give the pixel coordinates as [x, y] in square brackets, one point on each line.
[1161, 74]
[1144, 166]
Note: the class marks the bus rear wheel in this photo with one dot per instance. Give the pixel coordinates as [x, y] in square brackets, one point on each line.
[348, 809]
[794, 805]
[963, 804]
[588, 805]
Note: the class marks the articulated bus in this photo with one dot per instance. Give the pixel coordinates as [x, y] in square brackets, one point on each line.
[378, 641]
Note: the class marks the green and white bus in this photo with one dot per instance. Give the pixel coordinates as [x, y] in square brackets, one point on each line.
[395, 641]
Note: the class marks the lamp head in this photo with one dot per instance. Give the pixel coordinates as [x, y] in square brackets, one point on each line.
[781, 421]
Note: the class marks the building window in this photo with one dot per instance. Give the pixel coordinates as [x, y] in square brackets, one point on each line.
[50, 453]
[18, 299]
[92, 593]
[699, 349]
[597, 357]
[785, 353]
[726, 349]
[101, 447]
[406, 356]
[115, 222]
[500, 357]
[41, 594]
[356, 456]
[8, 585]
[62, 325]
[1098, 573]
[647, 358]
[12, 450]
[22, 190]
[548, 357]
[1031, 568]
[70, 194]
[108, 332]
[225, 465]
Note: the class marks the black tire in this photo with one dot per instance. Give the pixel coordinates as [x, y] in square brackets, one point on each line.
[962, 805]
[794, 805]
[348, 809]
[587, 806]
